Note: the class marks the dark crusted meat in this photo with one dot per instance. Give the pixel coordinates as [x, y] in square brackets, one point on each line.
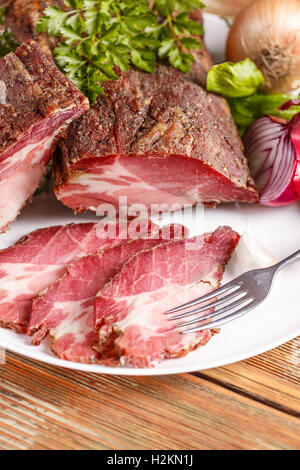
[22, 16]
[36, 102]
[190, 147]
[154, 138]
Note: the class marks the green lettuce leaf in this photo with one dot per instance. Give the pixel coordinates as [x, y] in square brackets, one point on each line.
[235, 80]
[249, 109]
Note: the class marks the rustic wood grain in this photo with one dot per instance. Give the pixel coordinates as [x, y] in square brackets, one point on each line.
[272, 378]
[43, 407]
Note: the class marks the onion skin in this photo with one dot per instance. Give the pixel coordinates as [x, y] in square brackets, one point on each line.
[272, 147]
[297, 180]
[225, 7]
[289, 195]
[268, 32]
[294, 126]
[294, 130]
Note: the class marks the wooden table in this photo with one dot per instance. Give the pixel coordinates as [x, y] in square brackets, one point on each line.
[254, 404]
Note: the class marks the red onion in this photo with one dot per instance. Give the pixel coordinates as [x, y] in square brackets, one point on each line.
[272, 146]
[294, 127]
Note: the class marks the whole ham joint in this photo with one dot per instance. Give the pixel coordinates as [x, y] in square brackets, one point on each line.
[66, 308]
[36, 103]
[130, 309]
[155, 139]
[41, 258]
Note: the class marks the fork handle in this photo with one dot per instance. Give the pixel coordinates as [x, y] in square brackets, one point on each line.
[289, 260]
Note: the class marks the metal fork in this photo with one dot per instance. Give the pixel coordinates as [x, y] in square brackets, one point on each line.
[238, 297]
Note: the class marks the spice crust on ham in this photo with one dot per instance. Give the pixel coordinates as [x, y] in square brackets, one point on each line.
[156, 139]
[22, 16]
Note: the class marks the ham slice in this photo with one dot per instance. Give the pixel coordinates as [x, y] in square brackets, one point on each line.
[66, 308]
[41, 258]
[129, 310]
[36, 103]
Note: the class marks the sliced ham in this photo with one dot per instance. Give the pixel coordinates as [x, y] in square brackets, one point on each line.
[129, 310]
[41, 258]
[36, 103]
[66, 308]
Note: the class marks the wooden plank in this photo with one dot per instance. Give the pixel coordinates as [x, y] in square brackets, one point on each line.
[43, 407]
[272, 377]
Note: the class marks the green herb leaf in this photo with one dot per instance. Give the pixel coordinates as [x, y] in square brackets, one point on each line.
[165, 47]
[164, 7]
[182, 23]
[107, 70]
[120, 56]
[65, 55]
[235, 80]
[2, 12]
[100, 35]
[138, 23]
[52, 21]
[94, 20]
[69, 34]
[143, 40]
[180, 60]
[191, 43]
[145, 60]
[76, 4]
[188, 5]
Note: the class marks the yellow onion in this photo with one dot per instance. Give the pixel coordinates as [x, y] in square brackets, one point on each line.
[225, 7]
[268, 32]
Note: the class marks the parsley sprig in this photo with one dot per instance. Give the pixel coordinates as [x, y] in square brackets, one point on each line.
[177, 32]
[99, 35]
[7, 43]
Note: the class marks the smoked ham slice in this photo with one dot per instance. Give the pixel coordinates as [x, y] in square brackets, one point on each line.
[36, 102]
[41, 258]
[66, 308]
[130, 309]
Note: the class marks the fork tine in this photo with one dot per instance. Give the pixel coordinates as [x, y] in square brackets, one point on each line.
[223, 321]
[229, 286]
[221, 301]
[216, 313]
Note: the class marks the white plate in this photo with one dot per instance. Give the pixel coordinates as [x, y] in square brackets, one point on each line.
[276, 321]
